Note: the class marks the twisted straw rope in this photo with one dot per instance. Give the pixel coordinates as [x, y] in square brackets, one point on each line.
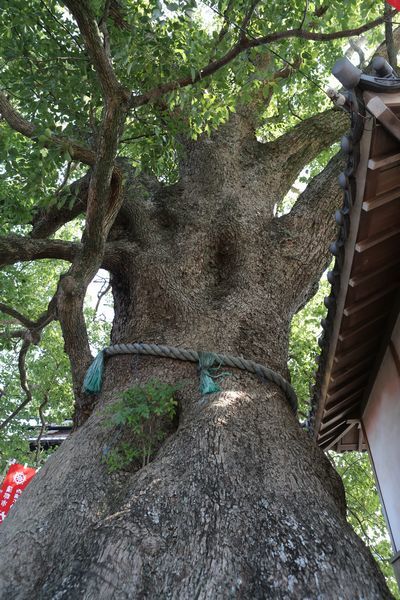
[221, 359]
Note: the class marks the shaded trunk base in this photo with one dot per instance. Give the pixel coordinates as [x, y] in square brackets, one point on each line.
[238, 503]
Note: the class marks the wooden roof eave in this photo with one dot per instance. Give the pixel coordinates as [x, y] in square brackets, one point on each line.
[345, 272]
[334, 408]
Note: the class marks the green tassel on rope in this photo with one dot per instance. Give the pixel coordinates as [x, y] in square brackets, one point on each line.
[94, 375]
[207, 385]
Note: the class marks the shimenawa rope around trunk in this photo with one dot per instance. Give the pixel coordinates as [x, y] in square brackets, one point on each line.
[207, 363]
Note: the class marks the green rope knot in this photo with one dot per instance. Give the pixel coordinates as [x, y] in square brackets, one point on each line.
[94, 375]
[207, 384]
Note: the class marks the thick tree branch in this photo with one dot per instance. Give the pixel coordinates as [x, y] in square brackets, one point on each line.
[328, 124]
[309, 227]
[16, 248]
[295, 149]
[104, 199]
[133, 215]
[17, 122]
[389, 37]
[8, 310]
[90, 32]
[245, 43]
[104, 194]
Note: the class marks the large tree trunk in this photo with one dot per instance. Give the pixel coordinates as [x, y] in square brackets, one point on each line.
[238, 502]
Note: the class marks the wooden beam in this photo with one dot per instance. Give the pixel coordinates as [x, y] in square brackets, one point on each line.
[372, 241]
[389, 98]
[378, 201]
[357, 306]
[354, 383]
[392, 159]
[337, 438]
[348, 335]
[329, 435]
[337, 418]
[342, 375]
[385, 116]
[361, 279]
[346, 357]
[352, 400]
[355, 331]
[323, 437]
[365, 144]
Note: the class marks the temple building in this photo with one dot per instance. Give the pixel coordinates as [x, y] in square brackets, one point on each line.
[356, 401]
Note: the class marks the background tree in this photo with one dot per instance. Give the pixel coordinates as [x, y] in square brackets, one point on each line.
[176, 141]
[46, 395]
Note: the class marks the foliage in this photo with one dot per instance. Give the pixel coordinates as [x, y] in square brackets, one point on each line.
[364, 510]
[47, 365]
[48, 372]
[42, 50]
[139, 411]
[303, 345]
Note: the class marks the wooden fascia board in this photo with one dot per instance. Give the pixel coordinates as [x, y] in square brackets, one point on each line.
[350, 244]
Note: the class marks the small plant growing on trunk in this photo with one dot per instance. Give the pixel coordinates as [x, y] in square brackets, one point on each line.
[139, 411]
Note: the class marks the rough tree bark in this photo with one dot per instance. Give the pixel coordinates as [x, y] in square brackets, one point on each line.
[238, 502]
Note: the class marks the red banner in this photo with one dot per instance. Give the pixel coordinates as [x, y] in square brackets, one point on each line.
[16, 480]
[395, 3]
